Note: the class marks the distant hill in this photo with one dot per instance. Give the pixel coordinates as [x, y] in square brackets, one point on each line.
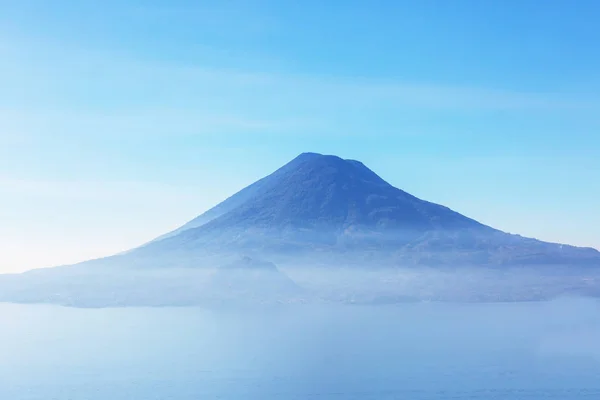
[324, 208]
[253, 277]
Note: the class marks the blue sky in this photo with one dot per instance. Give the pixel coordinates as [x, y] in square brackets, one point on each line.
[120, 120]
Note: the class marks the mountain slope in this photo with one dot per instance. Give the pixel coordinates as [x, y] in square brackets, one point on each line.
[318, 205]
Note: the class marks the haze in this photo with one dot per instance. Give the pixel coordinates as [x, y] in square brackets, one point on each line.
[277, 200]
[419, 351]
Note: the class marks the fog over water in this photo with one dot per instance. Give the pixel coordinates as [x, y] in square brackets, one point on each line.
[255, 281]
[526, 350]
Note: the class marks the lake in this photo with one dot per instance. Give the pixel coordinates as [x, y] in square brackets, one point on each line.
[544, 350]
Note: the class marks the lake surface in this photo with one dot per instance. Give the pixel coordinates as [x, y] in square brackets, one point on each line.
[412, 351]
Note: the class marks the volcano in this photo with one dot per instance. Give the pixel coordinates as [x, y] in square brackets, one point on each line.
[325, 209]
[320, 228]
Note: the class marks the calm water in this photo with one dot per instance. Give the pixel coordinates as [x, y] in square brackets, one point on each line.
[417, 351]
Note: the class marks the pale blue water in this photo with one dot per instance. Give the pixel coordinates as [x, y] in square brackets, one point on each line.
[413, 351]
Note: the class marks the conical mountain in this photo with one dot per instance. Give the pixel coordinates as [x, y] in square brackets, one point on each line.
[318, 211]
[325, 207]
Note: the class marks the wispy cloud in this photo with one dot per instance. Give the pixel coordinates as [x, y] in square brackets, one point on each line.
[19, 126]
[82, 78]
[221, 17]
[85, 95]
[117, 191]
